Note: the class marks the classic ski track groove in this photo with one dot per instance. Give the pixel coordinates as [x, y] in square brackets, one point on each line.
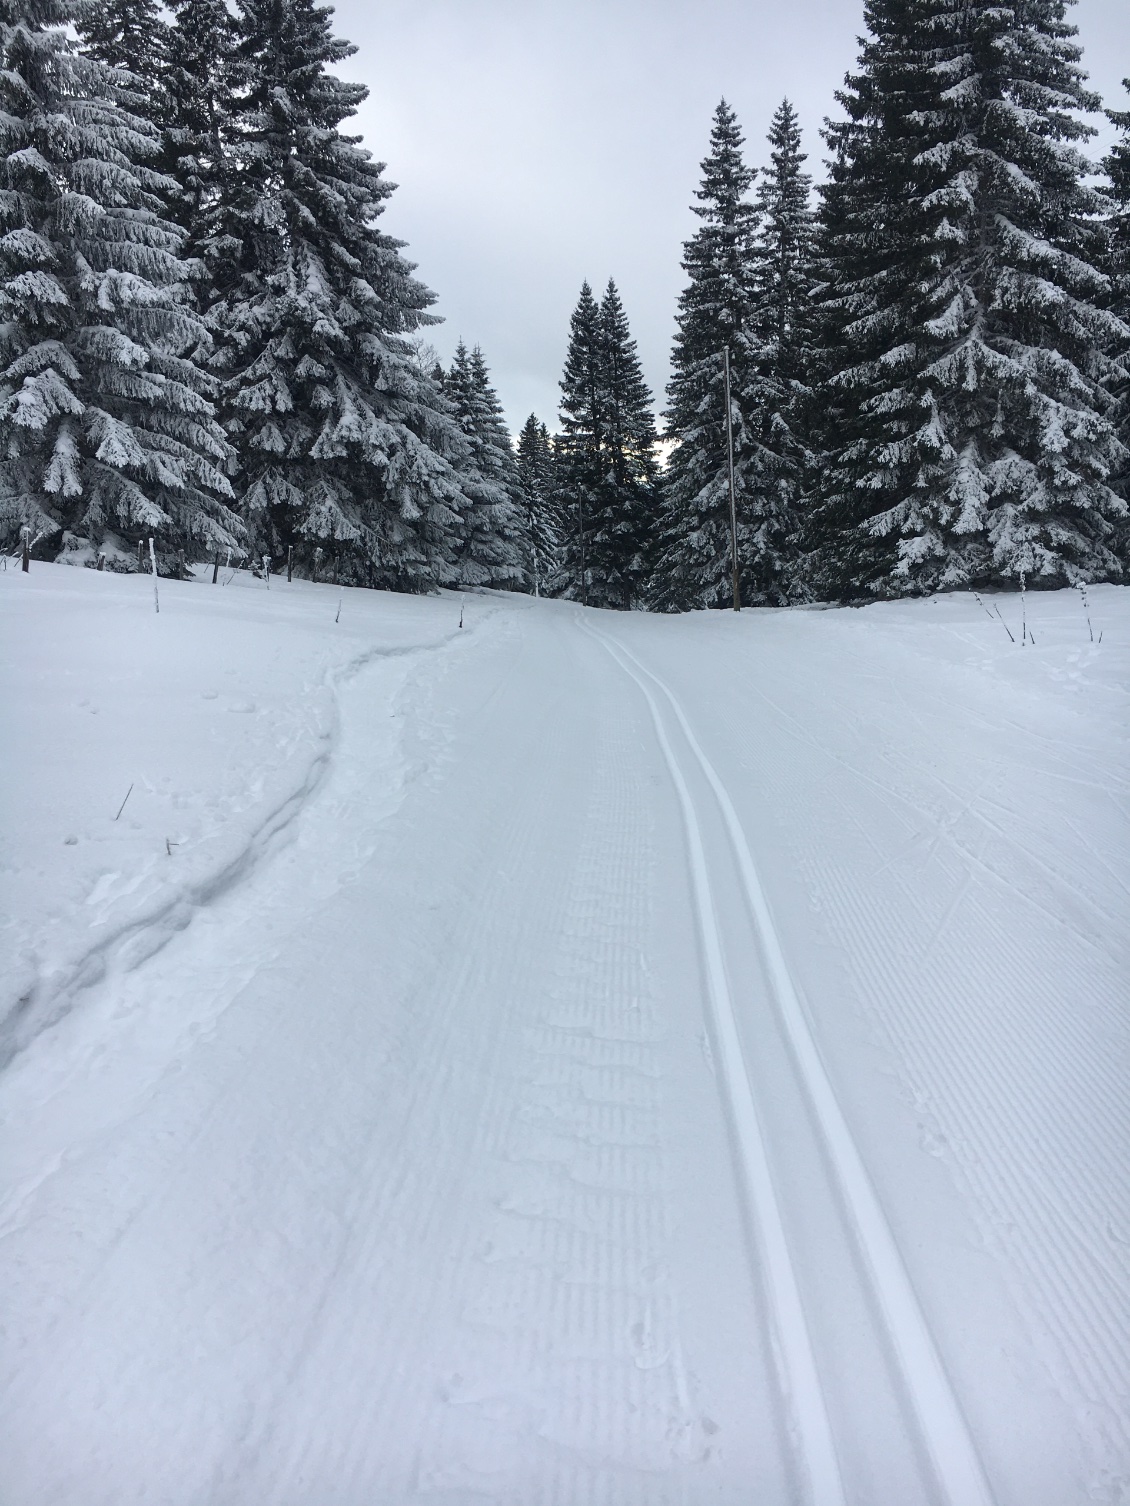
[956, 1465]
[810, 1414]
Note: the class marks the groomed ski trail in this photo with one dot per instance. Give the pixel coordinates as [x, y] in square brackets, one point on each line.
[942, 1429]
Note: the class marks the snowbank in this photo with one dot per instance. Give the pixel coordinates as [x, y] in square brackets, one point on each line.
[151, 759]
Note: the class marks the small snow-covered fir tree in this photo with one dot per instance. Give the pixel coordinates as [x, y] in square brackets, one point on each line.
[779, 394]
[538, 501]
[106, 424]
[346, 443]
[489, 552]
[973, 442]
[716, 311]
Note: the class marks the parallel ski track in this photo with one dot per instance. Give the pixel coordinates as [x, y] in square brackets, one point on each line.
[943, 1431]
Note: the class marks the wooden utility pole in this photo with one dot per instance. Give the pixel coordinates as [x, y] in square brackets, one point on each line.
[25, 550]
[733, 498]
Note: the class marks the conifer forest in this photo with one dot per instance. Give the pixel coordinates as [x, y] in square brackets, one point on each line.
[210, 338]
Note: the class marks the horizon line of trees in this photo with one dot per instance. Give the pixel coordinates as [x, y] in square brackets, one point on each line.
[207, 336]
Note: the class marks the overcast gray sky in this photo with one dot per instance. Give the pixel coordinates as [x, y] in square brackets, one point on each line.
[540, 142]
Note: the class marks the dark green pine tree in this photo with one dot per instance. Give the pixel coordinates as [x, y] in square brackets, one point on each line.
[780, 393]
[125, 34]
[490, 552]
[578, 463]
[973, 441]
[106, 428]
[1117, 165]
[716, 311]
[346, 443]
[538, 496]
[624, 522]
[203, 73]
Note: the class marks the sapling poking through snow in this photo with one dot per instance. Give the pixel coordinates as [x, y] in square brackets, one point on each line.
[997, 611]
[1082, 586]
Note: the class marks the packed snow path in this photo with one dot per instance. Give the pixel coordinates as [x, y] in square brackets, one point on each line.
[646, 1060]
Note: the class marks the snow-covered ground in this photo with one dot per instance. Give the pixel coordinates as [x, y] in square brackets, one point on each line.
[574, 1058]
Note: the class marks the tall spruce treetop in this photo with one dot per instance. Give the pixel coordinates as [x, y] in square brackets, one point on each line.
[716, 310]
[105, 422]
[1117, 164]
[579, 467]
[779, 396]
[786, 252]
[489, 549]
[624, 519]
[124, 34]
[975, 443]
[203, 72]
[346, 439]
[629, 424]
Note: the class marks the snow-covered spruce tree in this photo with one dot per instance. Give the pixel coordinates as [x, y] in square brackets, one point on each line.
[538, 502]
[716, 310]
[974, 443]
[870, 258]
[346, 443]
[106, 428]
[605, 469]
[624, 523]
[578, 465]
[490, 551]
[779, 394]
